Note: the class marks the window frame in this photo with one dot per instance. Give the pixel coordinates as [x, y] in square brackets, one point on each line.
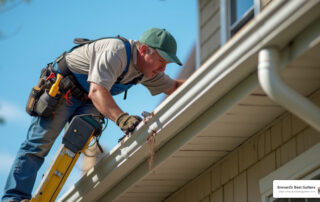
[228, 29]
[247, 16]
[312, 176]
[304, 167]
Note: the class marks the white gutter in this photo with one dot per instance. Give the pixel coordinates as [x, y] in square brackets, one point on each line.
[280, 92]
[207, 88]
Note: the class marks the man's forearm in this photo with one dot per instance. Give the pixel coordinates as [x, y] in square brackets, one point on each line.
[104, 102]
[175, 86]
[179, 83]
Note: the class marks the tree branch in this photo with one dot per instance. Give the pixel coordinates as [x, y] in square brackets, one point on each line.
[9, 7]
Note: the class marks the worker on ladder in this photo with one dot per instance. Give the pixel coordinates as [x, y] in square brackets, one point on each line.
[83, 81]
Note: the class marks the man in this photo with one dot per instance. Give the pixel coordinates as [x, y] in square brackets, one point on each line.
[100, 67]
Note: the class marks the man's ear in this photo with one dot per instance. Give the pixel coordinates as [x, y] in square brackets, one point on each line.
[143, 49]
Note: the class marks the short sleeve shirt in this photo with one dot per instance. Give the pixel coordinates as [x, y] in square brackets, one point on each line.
[105, 60]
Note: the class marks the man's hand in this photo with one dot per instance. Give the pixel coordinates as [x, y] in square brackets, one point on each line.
[128, 123]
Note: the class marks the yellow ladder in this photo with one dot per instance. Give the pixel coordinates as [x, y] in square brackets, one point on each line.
[75, 140]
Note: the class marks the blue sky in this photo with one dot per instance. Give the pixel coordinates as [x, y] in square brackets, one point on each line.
[35, 33]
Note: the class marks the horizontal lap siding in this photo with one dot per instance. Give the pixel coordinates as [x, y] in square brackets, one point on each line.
[209, 24]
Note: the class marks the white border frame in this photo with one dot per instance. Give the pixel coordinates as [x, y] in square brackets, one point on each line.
[304, 166]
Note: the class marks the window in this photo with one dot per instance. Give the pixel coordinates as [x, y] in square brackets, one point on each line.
[240, 13]
[234, 14]
[296, 200]
[306, 166]
[317, 177]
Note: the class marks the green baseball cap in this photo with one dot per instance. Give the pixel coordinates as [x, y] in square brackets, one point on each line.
[163, 42]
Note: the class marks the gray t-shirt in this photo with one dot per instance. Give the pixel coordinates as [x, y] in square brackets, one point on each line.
[105, 60]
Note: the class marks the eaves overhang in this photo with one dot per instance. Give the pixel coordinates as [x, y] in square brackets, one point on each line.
[218, 108]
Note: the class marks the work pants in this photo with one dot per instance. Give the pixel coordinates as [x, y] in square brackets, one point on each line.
[40, 137]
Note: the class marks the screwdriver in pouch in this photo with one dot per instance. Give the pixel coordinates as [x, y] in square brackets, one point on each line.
[55, 87]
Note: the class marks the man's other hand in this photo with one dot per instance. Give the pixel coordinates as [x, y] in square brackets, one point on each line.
[128, 123]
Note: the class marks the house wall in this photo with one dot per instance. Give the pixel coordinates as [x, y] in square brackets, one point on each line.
[265, 3]
[209, 28]
[235, 178]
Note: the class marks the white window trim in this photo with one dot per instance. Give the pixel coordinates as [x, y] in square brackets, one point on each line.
[257, 7]
[304, 166]
[225, 18]
[198, 43]
[224, 21]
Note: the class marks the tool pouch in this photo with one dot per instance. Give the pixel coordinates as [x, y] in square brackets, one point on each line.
[46, 104]
[33, 99]
[40, 103]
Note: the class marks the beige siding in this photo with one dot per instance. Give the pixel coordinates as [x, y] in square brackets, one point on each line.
[256, 172]
[265, 2]
[228, 192]
[201, 186]
[248, 154]
[235, 178]
[216, 177]
[209, 26]
[229, 167]
[240, 187]
[217, 196]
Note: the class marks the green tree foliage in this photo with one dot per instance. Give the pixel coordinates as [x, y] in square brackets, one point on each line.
[1, 121]
[6, 5]
[2, 2]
